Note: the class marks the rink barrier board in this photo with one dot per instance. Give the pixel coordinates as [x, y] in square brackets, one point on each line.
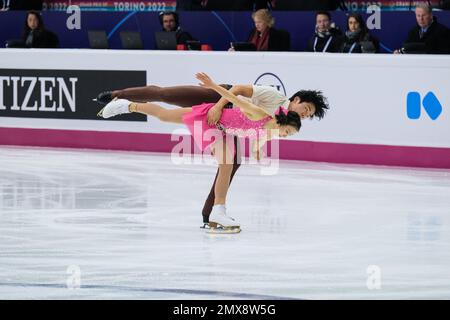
[428, 157]
[376, 111]
[377, 124]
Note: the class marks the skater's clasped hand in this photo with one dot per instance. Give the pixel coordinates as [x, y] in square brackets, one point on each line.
[206, 81]
[214, 115]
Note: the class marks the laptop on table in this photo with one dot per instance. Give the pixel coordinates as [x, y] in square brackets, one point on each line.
[98, 39]
[165, 40]
[243, 46]
[131, 40]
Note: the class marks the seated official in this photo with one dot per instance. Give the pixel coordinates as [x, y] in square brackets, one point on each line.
[357, 38]
[170, 23]
[326, 38]
[35, 35]
[428, 36]
[264, 36]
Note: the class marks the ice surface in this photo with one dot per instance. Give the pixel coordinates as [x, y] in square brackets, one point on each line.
[127, 226]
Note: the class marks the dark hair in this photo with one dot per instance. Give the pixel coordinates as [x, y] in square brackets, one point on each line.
[290, 119]
[316, 98]
[26, 28]
[359, 18]
[325, 13]
[169, 13]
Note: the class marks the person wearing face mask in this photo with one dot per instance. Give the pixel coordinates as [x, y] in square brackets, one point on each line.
[357, 38]
[326, 38]
[35, 35]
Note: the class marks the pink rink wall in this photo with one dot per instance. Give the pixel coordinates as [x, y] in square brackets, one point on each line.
[426, 157]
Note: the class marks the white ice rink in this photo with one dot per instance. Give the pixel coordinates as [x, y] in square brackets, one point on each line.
[78, 224]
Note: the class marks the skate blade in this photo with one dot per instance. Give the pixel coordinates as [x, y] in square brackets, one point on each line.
[221, 230]
[218, 229]
[100, 113]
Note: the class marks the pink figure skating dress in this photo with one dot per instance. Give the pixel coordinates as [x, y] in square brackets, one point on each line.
[232, 122]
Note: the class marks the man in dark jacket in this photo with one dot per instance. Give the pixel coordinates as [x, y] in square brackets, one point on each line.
[434, 37]
[170, 23]
[326, 38]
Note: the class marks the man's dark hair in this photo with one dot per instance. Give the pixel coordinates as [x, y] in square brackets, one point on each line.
[325, 13]
[316, 98]
[169, 13]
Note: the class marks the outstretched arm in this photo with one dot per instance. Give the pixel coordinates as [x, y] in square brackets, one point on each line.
[249, 108]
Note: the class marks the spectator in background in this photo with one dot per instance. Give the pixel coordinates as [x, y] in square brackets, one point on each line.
[264, 36]
[170, 23]
[326, 37]
[35, 35]
[357, 38]
[433, 37]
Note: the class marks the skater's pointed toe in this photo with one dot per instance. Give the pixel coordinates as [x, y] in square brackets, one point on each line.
[114, 108]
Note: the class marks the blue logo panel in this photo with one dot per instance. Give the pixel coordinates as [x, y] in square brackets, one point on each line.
[432, 105]
[413, 105]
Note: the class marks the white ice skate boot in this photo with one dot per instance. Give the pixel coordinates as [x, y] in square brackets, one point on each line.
[219, 222]
[114, 108]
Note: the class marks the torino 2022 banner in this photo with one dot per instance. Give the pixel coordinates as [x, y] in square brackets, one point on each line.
[130, 5]
[171, 5]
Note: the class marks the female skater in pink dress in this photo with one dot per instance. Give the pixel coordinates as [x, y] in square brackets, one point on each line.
[248, 120]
